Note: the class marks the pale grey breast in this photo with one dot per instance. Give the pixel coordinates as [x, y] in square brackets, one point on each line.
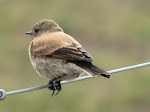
[55, 68]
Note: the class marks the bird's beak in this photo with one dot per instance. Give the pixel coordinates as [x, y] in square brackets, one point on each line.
[29, 33]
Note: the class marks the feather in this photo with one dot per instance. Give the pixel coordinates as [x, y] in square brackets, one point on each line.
[91, 69]
[60, 46]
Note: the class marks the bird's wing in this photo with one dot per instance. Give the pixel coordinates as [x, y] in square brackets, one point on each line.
[59, 47]
[72, 53]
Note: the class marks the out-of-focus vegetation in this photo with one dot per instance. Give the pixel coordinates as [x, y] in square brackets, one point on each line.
[115, 32]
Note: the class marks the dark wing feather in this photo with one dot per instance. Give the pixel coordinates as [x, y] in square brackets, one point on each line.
[72, 54]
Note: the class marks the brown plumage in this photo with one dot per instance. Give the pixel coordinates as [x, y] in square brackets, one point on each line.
[58, 56]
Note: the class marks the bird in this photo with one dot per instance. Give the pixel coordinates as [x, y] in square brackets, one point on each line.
[57, 56]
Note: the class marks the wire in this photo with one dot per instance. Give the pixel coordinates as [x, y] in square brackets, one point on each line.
[3, 94]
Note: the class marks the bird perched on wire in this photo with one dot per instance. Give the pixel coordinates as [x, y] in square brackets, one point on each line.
[58, 56]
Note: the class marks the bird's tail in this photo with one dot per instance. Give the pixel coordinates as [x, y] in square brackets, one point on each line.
[92, 69]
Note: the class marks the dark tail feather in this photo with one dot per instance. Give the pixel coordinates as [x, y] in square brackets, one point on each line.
[92, 69]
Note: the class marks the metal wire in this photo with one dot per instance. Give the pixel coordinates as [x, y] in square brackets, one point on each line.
[3, 94]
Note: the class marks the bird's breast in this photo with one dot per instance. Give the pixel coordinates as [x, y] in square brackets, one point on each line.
[52, 68]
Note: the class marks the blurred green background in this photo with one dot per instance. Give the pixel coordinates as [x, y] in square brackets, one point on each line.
[115, 32]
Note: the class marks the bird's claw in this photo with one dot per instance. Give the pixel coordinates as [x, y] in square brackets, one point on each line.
[55, 86]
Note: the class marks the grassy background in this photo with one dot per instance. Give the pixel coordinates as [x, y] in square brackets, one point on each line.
[116, 33]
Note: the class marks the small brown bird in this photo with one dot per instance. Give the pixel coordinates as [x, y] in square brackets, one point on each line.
[58, 56]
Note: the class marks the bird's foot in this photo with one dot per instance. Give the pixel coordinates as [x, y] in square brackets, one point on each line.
[52, 87]
[55, 86]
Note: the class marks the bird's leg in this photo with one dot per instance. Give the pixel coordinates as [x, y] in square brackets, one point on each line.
[52, 87]
[57, 86]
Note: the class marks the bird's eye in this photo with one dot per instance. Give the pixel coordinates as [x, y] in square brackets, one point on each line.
[36, 30]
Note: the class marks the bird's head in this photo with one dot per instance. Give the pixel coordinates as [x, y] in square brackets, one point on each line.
[44, 26]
